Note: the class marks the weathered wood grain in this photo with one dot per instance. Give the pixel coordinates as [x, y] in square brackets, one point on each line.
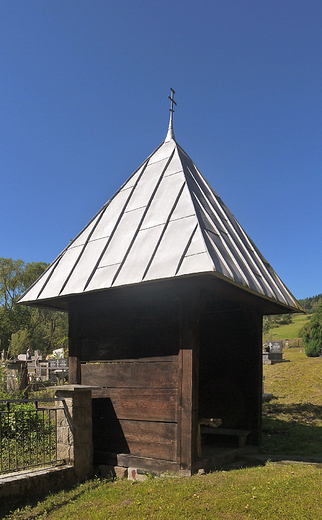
[141, 438]
[144, 463]
[156, 404]
[130, 375]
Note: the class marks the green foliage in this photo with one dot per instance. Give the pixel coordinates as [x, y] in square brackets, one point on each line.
[312, 334]
[47, 331]
[28, 436]
[21, 326]
[311, 304]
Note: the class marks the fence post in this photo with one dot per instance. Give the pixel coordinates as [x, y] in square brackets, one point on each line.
[74, 424]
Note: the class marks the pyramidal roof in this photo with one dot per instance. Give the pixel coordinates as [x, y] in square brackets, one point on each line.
[165, 222]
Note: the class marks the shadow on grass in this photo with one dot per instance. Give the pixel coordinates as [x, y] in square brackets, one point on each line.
[292, 429]
[53, 500]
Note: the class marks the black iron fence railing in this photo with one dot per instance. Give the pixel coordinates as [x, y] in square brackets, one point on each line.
[28, 433]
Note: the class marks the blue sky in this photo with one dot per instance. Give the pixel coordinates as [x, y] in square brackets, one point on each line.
[84, 100]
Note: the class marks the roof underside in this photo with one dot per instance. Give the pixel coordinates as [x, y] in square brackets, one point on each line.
[165, 222]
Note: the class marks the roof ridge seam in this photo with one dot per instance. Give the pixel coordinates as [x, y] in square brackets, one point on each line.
[195, 254]
[83, 249]
[143, 216]
[186, 248]
[163, 231]
[115, 227]
[181, 218]
[189, 178]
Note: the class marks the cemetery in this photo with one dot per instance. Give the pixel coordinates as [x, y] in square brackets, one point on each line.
[21, 372]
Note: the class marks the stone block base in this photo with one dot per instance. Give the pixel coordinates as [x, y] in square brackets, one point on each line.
[137, 474]
[107, 471]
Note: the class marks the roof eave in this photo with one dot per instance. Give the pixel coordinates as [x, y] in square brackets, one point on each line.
[269, 305]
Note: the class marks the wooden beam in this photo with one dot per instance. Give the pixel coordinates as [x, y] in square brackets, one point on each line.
[142, 404]
[160, 374]
[74, 375]
[143, 463]
[188, 381]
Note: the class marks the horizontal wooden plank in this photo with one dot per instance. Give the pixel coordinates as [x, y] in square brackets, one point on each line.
[151, 439]
[225, 431]
[241, 434]
[140, 438]
[130, 375]
[156, 359]
[152, 404]
[143, 463]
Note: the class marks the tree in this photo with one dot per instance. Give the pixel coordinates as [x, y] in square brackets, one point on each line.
[312, 334]
[47, 331]
[40, 329]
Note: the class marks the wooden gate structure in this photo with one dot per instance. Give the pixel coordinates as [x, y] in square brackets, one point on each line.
[165, 294]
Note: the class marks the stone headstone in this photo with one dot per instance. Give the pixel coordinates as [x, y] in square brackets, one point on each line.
[273, 353]
[275, 346]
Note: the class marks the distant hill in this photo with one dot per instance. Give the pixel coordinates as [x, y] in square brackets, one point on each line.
[279, 330]
[311, 304]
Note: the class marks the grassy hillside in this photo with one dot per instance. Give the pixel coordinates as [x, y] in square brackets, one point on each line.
[290, 331]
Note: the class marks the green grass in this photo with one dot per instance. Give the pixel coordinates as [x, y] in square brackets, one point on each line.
[290, 331]
[274, 491]
[293, 425]
[292, 421]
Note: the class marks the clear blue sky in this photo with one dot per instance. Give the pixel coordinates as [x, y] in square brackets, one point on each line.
[84, 86]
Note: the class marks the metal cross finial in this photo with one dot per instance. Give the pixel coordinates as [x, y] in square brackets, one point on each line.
[172, 100]
[170, 134]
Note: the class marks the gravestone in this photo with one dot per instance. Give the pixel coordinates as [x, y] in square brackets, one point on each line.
[273, 353]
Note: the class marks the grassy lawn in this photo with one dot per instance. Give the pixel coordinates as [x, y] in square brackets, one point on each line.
[273, 491]
[292, 421]
[292, 425]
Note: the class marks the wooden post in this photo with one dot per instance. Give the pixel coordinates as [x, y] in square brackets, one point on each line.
[74, 375]
[254, 321]
[256, 436]
[188, 382]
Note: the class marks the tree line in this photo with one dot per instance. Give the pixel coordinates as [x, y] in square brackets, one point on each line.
[22, 326]
[311, 304]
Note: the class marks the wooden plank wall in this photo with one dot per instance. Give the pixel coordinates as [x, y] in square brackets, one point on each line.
[135, 410]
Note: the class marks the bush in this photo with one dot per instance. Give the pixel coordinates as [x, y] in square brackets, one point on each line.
[313, 348]
[312, 334]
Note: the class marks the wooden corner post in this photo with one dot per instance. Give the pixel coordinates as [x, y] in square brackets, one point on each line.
[188, 382]
[74, 377]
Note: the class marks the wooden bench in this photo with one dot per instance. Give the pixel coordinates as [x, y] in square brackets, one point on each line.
[241, 434]
[208, 422]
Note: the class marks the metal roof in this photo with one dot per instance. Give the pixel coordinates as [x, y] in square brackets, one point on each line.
[165, 222]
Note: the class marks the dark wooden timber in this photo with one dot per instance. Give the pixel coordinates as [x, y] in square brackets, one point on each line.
[160, 374]
[188, 381]
[142, 404]
[240, 434]
[147, 464]
[74, 350]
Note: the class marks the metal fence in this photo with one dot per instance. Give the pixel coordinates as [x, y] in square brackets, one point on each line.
[28, 434]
